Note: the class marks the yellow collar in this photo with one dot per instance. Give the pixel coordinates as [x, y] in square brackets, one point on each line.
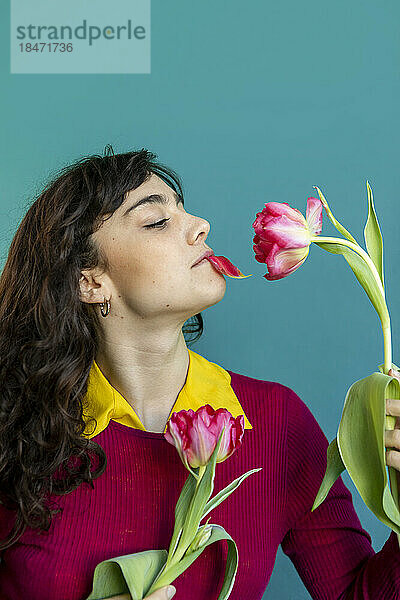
[206, 383]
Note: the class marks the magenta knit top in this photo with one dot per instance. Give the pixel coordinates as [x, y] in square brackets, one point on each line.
[131, 509]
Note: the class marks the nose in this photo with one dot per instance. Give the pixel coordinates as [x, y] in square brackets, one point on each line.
[199, 230]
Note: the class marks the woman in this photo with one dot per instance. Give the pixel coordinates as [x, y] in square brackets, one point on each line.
[98, 294]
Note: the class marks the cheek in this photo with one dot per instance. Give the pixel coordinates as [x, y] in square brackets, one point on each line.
[148, 267]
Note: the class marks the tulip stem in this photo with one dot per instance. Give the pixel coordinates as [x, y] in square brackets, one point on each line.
[164, 577]
[202, 468]
[387, 341]
[390, 421]
[384, 318]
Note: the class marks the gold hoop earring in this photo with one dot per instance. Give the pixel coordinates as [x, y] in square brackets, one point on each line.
[104, 309]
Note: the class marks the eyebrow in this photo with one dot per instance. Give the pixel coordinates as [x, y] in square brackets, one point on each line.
[154, 199]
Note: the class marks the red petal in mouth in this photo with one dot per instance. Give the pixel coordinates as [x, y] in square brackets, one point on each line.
[224, 266]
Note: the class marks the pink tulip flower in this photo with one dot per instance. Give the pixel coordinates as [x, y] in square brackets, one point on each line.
[195, 434]
[283, 236]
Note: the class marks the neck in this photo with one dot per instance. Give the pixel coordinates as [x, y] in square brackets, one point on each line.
[148, 372]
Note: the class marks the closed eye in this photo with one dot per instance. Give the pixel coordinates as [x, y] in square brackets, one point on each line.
[159, 224]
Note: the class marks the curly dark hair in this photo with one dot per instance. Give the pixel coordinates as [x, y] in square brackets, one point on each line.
[48, 336]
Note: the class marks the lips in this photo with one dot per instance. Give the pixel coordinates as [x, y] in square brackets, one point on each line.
[205, 255]
[221, 264]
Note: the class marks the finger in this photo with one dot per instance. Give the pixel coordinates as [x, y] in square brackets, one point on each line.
[393, 407]
[394, 373]
[393, 459]
[392, 438]
[164, 593]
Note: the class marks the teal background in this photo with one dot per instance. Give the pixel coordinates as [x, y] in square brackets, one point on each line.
[249, 102]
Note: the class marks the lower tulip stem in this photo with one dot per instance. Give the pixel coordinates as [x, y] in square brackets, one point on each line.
[387, 346]
[202, 468]
[180, 549]
[395, 491]
[161, 581]
[387, 343]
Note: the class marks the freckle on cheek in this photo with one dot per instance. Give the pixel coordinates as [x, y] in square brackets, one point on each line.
[167, 304]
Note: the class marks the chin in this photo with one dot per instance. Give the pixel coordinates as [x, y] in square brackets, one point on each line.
[215, 295]
[200, 299]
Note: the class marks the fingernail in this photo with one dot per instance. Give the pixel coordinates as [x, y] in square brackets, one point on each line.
[170, 592]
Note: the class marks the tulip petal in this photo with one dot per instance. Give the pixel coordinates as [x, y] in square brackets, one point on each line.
[283, 262]
[226, 448]
[176, 435]
[206, 413]
[223, 421]
[314, 215]
[278, 209]
[236, 435]
[224, 266]
[285, 232]
[196, 435]
[202, 444]
[233, 433]
[261, 220]
[261, 248]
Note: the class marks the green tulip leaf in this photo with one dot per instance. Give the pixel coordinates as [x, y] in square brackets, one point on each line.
[361, 443]
[362, 271]
[332, 219]
[334, 468]
[373, 236]
[232, 560]
[227, 491]
[181, 510]
[131, 573]
[217, 533]
[202, 493]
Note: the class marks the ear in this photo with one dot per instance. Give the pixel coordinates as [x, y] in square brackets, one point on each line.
[92, 289]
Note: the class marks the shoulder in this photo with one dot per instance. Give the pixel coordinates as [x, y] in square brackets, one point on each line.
[266, 400]
[274, 406]
[269, 399]
[263, 388]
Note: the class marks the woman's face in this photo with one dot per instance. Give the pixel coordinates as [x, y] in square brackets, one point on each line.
[150, 268]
